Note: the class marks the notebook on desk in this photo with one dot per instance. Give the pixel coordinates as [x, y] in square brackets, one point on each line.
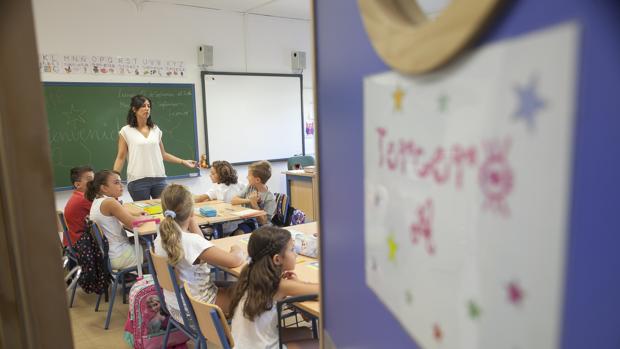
[153, 210]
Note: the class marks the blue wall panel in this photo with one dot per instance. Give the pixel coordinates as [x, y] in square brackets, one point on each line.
[353, 316]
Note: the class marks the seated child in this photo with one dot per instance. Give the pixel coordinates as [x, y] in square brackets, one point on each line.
[77, 208]
[268, 278]
[181, 241]
[225, 187]
[257, 196]
[104, 191]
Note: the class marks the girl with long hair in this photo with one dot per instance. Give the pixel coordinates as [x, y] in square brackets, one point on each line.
[104, 191]
[266, 279]
[181, 241]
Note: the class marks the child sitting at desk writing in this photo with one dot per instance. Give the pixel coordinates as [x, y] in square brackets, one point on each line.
[257, 196]
[181, 241]
[104, 191]
[266, 279]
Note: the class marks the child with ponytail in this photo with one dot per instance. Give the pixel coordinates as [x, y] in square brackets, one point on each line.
[182, 242]
[266, 279]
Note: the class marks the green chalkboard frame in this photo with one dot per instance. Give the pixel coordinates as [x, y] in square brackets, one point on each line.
[107, 138]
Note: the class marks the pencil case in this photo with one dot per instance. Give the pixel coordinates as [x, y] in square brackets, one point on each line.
[207, 211]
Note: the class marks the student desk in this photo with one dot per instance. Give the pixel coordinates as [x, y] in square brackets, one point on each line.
[225, 213]
[306, 268]
[302, 190]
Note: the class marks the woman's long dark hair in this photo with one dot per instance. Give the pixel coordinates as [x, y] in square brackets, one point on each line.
[93, 187]
[137, 102]
[260, 279]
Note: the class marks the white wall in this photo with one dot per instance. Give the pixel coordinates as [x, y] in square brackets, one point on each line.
[241, 42]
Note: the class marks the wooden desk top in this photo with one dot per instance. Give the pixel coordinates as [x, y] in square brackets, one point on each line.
[307, 269]
[301, 173]
[225, 213]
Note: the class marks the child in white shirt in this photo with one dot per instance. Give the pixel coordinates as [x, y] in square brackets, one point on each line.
[266, 279]
[225, 186]
[181, 241]
[104, 191]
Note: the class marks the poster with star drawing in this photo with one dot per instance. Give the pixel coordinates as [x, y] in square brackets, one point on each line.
[467, 189]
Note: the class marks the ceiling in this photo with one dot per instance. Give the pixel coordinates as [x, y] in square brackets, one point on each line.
[297, 9]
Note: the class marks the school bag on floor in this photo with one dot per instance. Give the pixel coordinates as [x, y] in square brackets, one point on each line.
[146, 321]
[95, 277]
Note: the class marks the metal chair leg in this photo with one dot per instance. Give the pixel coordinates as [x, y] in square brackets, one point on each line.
[165, 341]
[98, 301]
[72, 295]
[111, 304]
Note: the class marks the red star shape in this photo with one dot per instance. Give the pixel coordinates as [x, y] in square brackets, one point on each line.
[515, 293]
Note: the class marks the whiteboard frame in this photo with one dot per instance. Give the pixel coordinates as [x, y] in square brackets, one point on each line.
[206, 124]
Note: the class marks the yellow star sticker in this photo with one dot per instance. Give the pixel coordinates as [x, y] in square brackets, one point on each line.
[393, 246]
[398, 98]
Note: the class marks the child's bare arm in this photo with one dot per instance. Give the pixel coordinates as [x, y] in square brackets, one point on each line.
[239, 201]
[201, 198]
[216, 256]
[294, 287]
[112, 207]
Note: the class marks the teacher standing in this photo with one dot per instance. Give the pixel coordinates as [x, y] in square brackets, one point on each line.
[142, 139]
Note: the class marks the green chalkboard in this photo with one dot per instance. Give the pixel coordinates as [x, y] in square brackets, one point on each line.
[84, 120]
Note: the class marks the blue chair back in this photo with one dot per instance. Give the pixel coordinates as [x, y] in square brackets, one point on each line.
[65, 231]
[99, 237]
[187, 311]
[153, 272]
[165, 278]
[211, 322]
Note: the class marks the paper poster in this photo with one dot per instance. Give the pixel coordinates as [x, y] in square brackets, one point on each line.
[467, 190]
[109, 65]
[49, 63]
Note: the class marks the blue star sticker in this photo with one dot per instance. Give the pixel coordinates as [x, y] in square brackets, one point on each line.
[529, 102]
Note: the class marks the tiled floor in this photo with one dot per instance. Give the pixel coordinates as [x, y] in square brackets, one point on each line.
[87, 325]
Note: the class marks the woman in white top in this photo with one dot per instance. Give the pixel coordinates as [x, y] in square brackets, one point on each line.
[268, 278]
[181, 241]
[110, 215]
[142, 139]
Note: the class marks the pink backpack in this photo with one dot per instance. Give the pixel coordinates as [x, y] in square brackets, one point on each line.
[146, 321]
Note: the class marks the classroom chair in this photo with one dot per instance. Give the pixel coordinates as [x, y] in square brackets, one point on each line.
[118, 276]
[298, 162]
[288, 303]
[212, 324]
[71, 279]
[165, 278]
[68, 251]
